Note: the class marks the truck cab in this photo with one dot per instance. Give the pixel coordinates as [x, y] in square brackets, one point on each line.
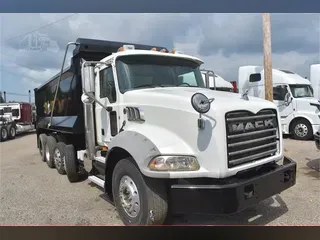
[293, 94]
[140, 122]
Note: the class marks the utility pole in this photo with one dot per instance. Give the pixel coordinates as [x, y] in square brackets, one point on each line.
[267, 56]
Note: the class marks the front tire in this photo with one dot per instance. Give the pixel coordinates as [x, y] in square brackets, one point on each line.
[302, 130]
[138, 200]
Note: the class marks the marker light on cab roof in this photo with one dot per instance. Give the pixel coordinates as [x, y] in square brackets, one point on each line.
[126, 47]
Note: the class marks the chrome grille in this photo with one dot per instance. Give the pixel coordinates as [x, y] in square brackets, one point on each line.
[251, 137]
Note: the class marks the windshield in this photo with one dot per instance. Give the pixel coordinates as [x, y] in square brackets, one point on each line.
[15, 112]
[146, 71]
[302, 90]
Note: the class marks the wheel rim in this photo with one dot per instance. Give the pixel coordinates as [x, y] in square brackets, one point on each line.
[57, 158]
[301, 130]
[129, 196]
[47, 152]
[13, 132]
[4, 134]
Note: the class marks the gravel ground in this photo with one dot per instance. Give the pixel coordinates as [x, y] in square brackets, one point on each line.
[31, 193]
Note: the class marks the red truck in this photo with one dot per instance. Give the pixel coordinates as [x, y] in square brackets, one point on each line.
[15, 118]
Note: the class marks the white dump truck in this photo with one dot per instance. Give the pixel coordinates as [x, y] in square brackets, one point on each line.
[157, 144]
[293, 94]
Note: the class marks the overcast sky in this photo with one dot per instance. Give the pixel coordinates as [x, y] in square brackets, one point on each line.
[223, 41]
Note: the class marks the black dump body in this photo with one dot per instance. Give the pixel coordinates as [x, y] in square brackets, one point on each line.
[68, 113]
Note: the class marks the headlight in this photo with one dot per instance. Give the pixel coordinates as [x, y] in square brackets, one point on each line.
[200, 103]
[174, 163]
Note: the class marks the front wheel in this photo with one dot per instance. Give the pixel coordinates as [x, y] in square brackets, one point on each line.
[139, 200]
[302, 130]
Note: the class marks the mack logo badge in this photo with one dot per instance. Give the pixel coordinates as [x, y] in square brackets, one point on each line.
[247, 126]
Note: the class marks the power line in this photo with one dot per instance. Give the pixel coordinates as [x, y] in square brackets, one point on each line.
[44, 26]
[16, 94]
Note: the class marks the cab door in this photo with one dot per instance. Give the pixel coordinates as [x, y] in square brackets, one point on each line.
[286, 111]
[105, 93]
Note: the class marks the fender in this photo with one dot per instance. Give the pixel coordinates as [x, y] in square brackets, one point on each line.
[307, 117]
[143, 146]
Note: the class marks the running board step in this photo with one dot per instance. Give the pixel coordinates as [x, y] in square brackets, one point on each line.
[96, 180]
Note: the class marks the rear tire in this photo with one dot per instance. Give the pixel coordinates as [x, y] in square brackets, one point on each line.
[3, 134]
[59, 157]
[42, 145]
[139, 200]
[71, 165]
[12, 132]
[50, 146]
[302, 130]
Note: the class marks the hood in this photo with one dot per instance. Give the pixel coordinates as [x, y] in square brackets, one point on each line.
[180, 98]
[308, 100]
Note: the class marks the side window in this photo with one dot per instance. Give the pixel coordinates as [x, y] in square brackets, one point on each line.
[279, 93]
[255, 77]
[107, 85]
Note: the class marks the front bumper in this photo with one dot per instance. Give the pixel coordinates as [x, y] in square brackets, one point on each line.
[317, 139]
[233, 194]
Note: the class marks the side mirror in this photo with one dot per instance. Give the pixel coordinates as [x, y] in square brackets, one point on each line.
[86, 99]
[287, 99]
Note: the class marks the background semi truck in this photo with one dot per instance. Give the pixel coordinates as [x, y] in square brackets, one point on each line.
[293, 95]
[16, 118]
[139, 122]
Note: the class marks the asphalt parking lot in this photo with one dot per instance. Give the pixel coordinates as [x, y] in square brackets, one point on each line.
[32, 193]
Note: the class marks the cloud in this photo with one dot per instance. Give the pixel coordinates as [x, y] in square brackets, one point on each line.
[223, 41]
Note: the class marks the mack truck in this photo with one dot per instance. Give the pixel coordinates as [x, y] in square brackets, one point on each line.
[124, 116]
